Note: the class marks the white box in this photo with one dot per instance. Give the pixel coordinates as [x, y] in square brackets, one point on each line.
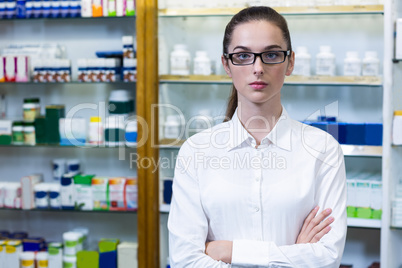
[127, 255]
[27, 189]
[398, 39]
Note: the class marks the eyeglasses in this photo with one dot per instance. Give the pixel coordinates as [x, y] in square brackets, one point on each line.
[267, 57]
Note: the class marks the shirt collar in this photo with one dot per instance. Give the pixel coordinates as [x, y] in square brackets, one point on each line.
[279, 136]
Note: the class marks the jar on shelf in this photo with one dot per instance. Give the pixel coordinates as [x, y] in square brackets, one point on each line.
[202, 63]
[302, 62]
[95, 130]
[180, 60]
[31, 109]
[18, 132]
[352, 65]
[325, 64]
[29, 133]
[371, 64]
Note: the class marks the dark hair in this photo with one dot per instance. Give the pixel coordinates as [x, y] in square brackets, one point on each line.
[255, 13]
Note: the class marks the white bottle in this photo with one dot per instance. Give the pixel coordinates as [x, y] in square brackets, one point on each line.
[302, 62]
[371, 64]
[325, 64]
[352, 65]
[172, 129]
[95, 130]
[324, 2]
[86, 8]
[180, 60]
[202, 63]
[397, 128]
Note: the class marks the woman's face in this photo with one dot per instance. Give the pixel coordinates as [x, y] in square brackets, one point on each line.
[258, 83]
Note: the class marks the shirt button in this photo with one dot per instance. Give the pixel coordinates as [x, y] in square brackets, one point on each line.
[257, 209]
[257, 178]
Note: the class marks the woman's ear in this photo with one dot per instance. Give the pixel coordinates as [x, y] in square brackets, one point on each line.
[225, 62]
[291, 64]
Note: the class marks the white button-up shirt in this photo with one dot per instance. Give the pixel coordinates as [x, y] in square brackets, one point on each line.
[225, 188]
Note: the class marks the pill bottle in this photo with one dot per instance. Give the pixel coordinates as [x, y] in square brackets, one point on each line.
[129, 70]
[114, 131]
[41, 195]
[18, 132]
[352, 65]
[121, 102]
[371, 64]
[397, 128]
[325, 64]
[172, 127]
[27, 259]
[42, 260]
[55, 251]
[70, 261]
[180, 60]
[324, 2]
[95, 130]
[31, 109]
[70, 242]
[73, 166]
[202, 63]
[128, 47]
[29, 133]
[54, 196]
[302, 62]
[131, 133]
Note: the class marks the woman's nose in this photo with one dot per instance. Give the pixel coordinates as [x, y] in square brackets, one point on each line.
[258, 66]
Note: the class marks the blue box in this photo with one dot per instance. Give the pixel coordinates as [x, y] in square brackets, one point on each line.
[108, 259]
[320, 125]
[338, 131]
[356, 133]
[167, 191]
[373, 134]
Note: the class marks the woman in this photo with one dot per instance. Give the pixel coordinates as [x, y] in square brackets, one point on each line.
[247, 192]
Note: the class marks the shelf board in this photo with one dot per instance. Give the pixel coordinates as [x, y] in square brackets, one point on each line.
[364, 223]
[289, 80]
[73, 211]
[65, 83]
[164, 208]
[68, 19]
[86, 146]
[348, 150]
[352, 222]
[360, 150]
[302, 10]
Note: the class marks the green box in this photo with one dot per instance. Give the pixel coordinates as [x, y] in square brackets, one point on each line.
[351, 212]
[376, 214]
[363, 213]
[40, 129]
[53, 115]
[106, 245]
[87, 259]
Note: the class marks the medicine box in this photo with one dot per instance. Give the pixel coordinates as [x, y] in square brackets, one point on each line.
[5, 132]
[398, 41]
[83, 192]
[100, 193]
[131, 194]
[116, 193]
[127, 255]
[373, 134]
[27, 188]
[355, 133]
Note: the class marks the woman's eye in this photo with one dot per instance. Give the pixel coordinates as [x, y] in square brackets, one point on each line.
[271, 55]
[243, 56]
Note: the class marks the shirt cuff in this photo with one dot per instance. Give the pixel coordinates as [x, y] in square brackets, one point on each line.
[250, 253]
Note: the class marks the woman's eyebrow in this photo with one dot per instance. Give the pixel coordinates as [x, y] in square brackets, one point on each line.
[243, 48]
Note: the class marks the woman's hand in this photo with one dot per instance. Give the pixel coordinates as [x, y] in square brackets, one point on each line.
[220, 250]
[315, 227]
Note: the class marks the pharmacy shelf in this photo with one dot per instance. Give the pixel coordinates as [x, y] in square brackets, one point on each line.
[302, 10]
[73, 211]
[360, 150]
[86, 146]
[364, 223]
[352, 222]
[348, 150]
[164, 208]
[67, 19]
[296, 80]
[66, 83]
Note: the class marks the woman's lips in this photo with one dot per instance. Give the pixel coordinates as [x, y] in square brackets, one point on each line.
[258, 85]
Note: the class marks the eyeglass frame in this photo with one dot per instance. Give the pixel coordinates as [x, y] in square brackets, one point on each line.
[230, 57]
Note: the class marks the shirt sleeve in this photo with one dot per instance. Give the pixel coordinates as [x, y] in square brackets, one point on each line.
[187, 223]
[330, 193]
